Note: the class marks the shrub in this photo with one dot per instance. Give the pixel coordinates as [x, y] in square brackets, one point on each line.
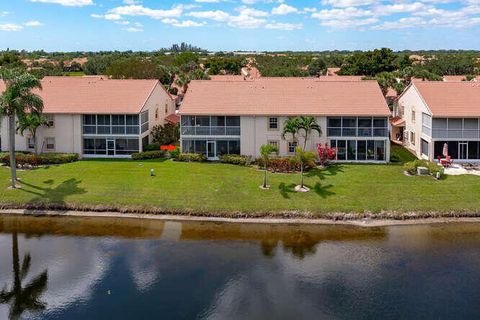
[191, 157]
[158, 154]
[326, 154]
[152, 147]
[30, 159]
[433, 167]
[174, 153]
[282, 164]
[235, 159]
[167, 134]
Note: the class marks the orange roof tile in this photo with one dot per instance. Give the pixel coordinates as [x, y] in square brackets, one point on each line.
[84, 95]
[284, 96]
[173, 118]
[451, 99]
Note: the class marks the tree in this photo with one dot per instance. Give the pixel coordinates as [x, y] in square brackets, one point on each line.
[31, 122]
[165, 135]
[386, 80]
[317, 68]
[17, 100]
[290, 127]
[306, 158]
[308, 125]
[137, 68]
[182, 81]
[23, 298]
[265, 151]
[370, 63]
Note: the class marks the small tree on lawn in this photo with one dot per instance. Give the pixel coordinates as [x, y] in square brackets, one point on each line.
[32, 122]
[17, 100]
[266, 150]
[326, 154]
[306, 158]
[308, 125]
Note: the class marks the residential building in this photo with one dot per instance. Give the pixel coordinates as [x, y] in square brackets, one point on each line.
[429, 115]
[96, 116]
[237, 117]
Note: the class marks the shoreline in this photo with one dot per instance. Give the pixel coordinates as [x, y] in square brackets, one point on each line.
[360, 221]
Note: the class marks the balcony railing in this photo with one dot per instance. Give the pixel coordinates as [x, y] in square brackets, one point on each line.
[357, 132]
[210, 131]
[455, 134]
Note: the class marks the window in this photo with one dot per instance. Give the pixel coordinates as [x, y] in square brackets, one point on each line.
[274, 143]
[424, 147]
[357, 127]
[30, 143]
[412, 137]
[413, 115]
[166, 108]
[292, 145]
[50, 119]
[273, 123]
[156, 113]
[50, 143]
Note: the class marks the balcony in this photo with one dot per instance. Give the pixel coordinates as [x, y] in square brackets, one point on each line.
[210, 131]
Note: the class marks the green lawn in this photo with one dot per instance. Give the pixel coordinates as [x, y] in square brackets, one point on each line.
[210, 187]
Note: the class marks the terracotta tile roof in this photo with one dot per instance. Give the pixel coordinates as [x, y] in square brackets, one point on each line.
[284, 96]
[84, 95]
[451, 99]
[173, 118]
[397, 122]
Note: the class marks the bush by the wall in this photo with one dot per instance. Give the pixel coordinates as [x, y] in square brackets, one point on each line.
[152, 147]
[281, 164]
[158, 154]
[30, 159]
[235, 159]
[191, 157]
[433, 167]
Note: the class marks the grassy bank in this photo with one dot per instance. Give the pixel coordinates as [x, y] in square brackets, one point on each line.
[216, 188]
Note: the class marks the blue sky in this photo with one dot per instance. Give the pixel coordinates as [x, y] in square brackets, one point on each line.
[68, 25]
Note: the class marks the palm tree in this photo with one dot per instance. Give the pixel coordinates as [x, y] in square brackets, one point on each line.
[266, 150]
[290, 127]
[32, 122]
[17, 100]
[23, 298]
[182, 81]
[385, 80]
[308, 125]
[305, 158]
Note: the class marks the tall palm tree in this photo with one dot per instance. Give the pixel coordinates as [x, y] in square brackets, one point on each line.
[17, 100]
[32, 122]
[266, 150]
[290, 127]
[386, 80]
[182, 81]
[23, 298]
[308, 125]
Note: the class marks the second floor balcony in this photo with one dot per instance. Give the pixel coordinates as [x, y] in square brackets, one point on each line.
[210, 126]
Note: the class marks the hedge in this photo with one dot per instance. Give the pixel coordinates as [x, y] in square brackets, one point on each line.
[433, 167]
[158, 154]
[34, 160]
[191, 157]
[235, 159]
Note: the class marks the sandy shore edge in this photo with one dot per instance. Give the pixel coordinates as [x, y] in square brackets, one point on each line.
[361, 222]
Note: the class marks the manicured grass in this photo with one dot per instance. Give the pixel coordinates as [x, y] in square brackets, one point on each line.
[215, 188]
[400, 154]
[74, 74]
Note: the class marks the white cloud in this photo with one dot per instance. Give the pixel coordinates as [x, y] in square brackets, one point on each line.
[138, 10]
[252, 12]
[348, 3]
[183, 24]
[284, 9]
[10, 27]
[284, 26]
[33, 23]
[133, 29]
[68, 3]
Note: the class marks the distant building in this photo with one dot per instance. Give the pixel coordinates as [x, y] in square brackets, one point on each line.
[237, 117]
[430, 114]
[96, 116]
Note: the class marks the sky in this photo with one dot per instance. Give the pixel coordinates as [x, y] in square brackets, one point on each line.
[260, 25]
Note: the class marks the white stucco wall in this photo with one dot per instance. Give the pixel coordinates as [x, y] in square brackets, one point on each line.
[255, 132]
[160, 101]
[411, 100]
[67, 132]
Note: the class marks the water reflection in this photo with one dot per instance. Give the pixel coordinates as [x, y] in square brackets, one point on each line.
[142, 269]
[23, 297]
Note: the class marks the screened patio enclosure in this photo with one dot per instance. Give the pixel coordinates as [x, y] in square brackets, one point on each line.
[458, 150]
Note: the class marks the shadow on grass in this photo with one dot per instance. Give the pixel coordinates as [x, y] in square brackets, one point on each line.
[322, 174]
[322, 191]
[53, 195]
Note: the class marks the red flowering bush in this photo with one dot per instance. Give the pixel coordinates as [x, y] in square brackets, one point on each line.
[326, 154]
[168, 148]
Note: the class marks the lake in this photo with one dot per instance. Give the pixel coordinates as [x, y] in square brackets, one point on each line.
[104, 268]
